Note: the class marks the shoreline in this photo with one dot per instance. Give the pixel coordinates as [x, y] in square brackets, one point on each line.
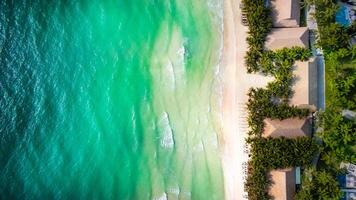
[236, 83]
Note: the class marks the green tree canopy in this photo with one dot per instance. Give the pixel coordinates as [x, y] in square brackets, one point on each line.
[319, 185]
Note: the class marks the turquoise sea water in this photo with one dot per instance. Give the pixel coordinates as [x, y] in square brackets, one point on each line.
[105, 99]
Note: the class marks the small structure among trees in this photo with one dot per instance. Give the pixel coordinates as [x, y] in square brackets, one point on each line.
[283, 183]
[287, 37]
[289, 128]
[305, 83]
[285, 13]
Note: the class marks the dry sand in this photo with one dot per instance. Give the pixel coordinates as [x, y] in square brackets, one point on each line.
[236, 85]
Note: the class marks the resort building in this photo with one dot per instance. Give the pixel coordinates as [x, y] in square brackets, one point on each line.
[289, 128]
[287, 37]
[347, 181]
[285, 13]
[283, 185]
[305, 91]
[286, 32]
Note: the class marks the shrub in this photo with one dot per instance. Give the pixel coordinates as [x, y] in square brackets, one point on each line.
[268, 154]
[319, 185]
[333, 37]
[339, 137]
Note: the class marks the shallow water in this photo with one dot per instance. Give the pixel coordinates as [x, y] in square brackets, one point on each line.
[110, 99]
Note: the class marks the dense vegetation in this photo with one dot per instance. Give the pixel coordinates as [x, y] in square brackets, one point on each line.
[339, 138]
[268, 154]
[341, 79]
[332, 36]
[319, 184]
[271, 102]
[260, 106]
[338, 133]
[260, 23]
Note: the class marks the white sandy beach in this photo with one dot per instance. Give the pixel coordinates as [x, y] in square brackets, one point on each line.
[236, 85]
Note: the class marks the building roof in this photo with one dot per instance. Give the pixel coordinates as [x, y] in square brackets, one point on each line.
[287, 37]
[283, 184]
[289, 128]
[305, 83]
[285, 13]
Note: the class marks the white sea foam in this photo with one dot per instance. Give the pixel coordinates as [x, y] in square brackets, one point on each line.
[162, 197]
[173, 72]
[174, 190]
[216, 7]
[169, 74]
[217, 11]
[181, 50]
[199, 147]
[186, 194]
[135, 143]
[212, 140]
[179, 64]
[167, 140]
